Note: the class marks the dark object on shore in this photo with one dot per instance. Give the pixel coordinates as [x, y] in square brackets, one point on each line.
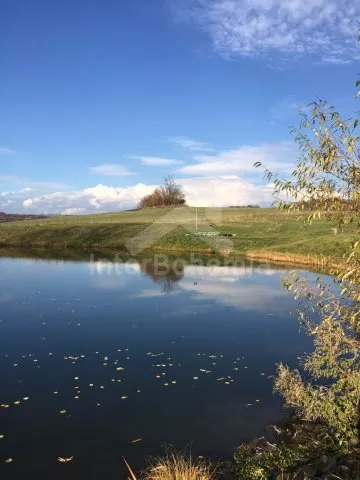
[15, 217]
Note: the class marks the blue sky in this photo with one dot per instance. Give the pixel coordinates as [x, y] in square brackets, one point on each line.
[100, 100]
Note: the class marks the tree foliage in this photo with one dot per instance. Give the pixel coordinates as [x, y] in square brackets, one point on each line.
[170, 193]
[327, 177]
[327, 174]
[154, 199]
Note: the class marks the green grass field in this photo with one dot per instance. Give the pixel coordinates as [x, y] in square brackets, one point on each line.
[256, 230]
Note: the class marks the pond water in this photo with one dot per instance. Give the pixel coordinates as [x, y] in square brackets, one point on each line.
[102, 361]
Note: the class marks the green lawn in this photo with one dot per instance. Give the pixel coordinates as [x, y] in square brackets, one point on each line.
[266, 230]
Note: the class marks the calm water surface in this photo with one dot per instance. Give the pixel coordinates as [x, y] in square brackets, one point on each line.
[99, 359]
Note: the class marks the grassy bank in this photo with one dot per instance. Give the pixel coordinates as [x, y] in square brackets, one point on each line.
[260, 233]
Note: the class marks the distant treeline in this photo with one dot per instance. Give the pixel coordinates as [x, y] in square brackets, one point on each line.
[244, 206]
[15, 217]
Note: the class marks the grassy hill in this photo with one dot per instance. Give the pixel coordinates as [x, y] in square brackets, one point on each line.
[260, 232]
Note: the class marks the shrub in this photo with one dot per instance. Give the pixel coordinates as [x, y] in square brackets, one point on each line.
[170, 193]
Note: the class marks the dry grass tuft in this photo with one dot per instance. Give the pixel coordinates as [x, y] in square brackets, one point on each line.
[177, 466]
[293, 258]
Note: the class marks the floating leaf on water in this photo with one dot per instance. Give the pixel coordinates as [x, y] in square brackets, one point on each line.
[65, 459]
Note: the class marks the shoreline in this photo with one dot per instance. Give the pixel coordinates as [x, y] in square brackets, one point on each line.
[285, 258]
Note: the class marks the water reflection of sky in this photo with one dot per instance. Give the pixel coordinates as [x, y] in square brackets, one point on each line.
[239, 314]
[244, 288]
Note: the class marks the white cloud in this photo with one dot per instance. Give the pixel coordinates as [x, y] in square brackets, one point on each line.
[11, 201]
[156, 161]
[202, 191]
[190, 144]
[326, 29]
[225, 191]
[221, 179]
[278, 157]
[110, 170]
[100, 198]
[211, 180]
[27, 190]
[6, 151]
